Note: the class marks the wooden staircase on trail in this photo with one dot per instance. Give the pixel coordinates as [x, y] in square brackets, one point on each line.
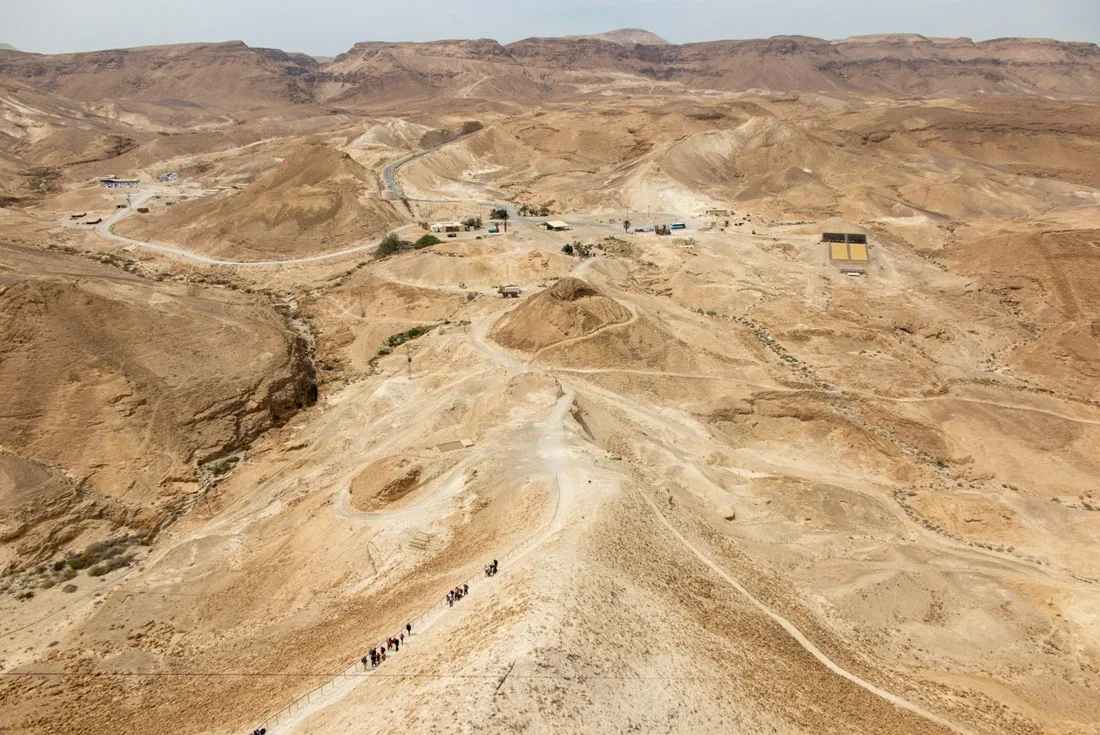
[421, 541]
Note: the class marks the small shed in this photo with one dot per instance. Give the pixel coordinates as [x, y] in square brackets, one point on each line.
[556, 225]
[448, 227]
[509, 292]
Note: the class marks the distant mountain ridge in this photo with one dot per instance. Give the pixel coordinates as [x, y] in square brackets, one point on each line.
[627, 37]
[380, 74]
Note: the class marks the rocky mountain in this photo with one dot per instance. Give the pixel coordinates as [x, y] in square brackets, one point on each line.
[235, 76]
[124, 385]
[230, 74]
[628, 37]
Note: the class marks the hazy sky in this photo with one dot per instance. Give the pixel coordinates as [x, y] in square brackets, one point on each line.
[328, 27]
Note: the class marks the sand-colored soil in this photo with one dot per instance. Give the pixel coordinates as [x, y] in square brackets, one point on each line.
[731, 487]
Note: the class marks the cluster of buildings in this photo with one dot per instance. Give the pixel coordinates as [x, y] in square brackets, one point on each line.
[113, 182]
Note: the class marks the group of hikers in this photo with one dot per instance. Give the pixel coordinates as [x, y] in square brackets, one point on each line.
[457, 594]
[378, 655]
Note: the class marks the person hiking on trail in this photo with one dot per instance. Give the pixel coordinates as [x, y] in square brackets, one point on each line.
[402, 637]
[451, 599]
[396, 645]
[364, 660]
[465, 590]
[409, 628]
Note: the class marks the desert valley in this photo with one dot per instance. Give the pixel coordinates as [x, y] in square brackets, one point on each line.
[767, 371]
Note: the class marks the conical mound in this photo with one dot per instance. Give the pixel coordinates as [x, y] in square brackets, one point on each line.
[569, 309]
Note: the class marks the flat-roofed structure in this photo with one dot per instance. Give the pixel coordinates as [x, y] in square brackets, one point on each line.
[843, 237]
[849, 252]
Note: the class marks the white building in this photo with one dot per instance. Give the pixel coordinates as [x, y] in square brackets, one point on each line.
[114, 183]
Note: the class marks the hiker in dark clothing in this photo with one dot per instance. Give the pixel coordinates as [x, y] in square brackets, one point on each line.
[409, 628]
[465, 590]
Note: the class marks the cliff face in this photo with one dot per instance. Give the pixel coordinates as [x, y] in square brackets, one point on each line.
[125, 386]
[230, 75]
[233, 75]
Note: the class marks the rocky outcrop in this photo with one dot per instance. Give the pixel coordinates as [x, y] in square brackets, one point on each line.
[125, 385]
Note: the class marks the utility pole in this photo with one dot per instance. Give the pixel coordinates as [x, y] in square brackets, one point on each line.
[409, 360]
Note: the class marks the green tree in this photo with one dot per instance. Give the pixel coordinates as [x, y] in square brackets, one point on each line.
[426, 241]
[626, 225]
[501, 214]
[388, 245]
[474, 223]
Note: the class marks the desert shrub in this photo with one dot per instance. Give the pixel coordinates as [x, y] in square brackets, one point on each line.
[426, 241]
[388, 245]
[567, 249]
[384, 351]
[109, 566]
[102, 550]
[395, 340]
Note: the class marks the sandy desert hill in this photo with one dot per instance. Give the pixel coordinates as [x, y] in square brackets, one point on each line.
[315, 197]
[738, 479]
[159, 378]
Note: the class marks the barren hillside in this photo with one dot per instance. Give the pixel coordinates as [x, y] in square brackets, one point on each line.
[745, 386]
[373, 74]
[313, 199]
[122, 387]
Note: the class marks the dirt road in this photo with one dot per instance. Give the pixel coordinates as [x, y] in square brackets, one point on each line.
[105, 230]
